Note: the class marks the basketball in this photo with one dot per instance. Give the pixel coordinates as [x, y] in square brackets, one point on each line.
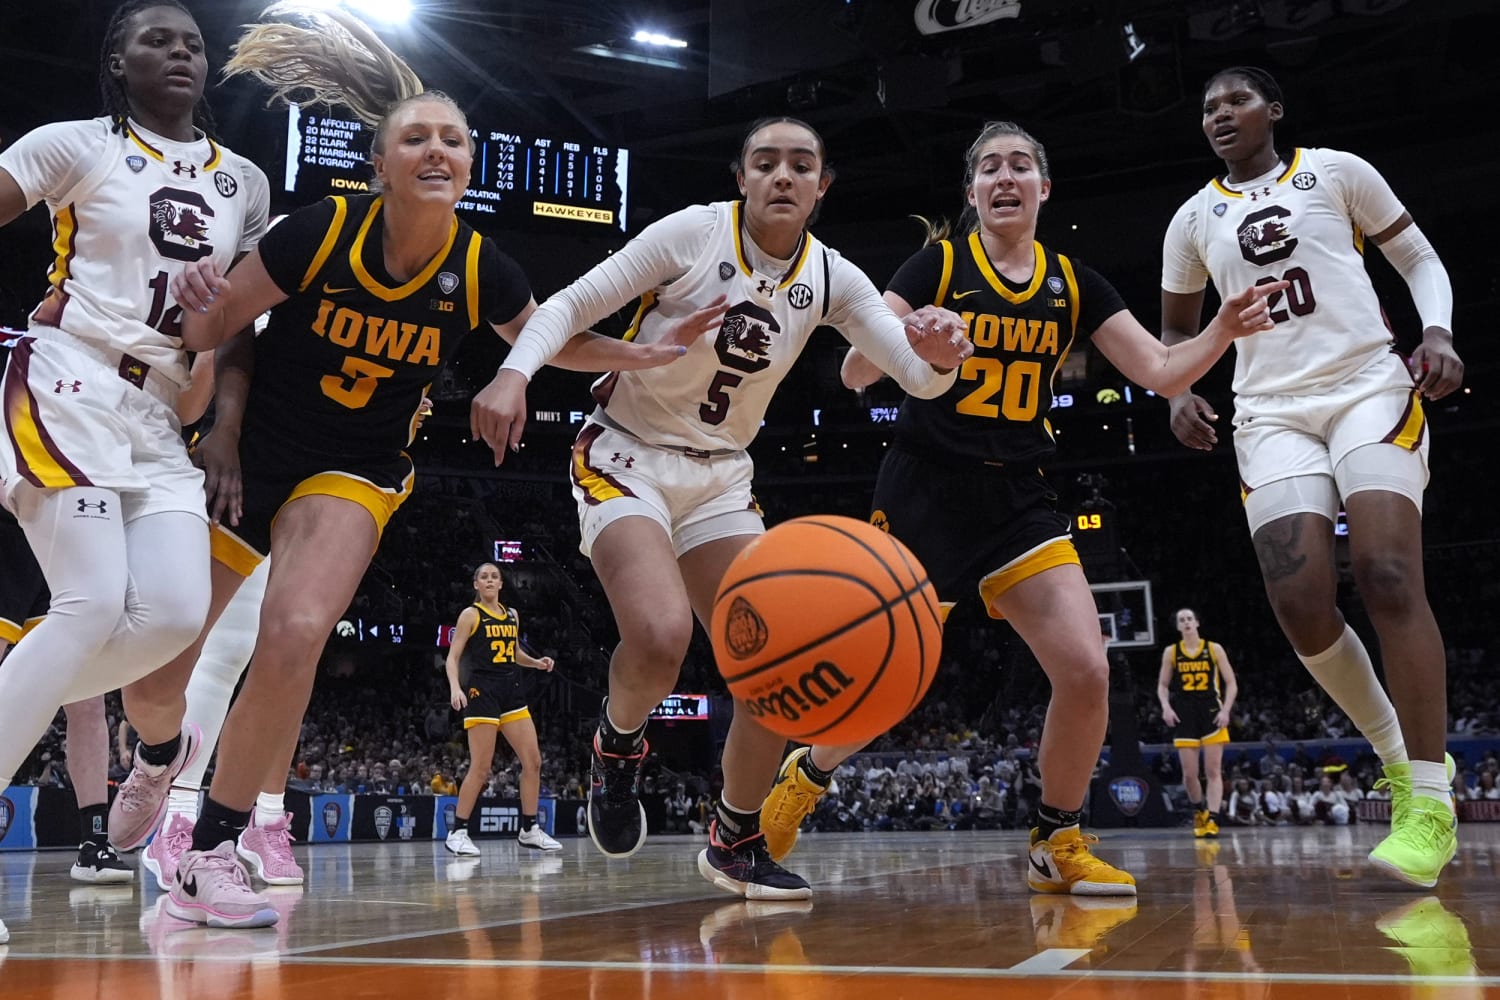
[827, 630]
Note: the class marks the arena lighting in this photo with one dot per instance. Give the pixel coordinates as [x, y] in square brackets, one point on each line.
[389, 11]
[656, 38]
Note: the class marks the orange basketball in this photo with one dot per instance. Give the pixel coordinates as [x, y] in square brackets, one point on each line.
[827, 630]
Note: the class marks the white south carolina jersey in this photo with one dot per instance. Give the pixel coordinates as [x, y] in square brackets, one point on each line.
[1304, 223]
[714, 397]
[129, 209]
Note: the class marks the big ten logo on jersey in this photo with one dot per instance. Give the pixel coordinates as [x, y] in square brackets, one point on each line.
[179, 224]
[499, 819]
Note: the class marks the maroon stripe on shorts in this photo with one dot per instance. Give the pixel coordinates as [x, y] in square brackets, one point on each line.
[18, 398]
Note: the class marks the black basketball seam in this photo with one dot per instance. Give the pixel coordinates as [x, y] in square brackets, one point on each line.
[816, 520]
[884, 607]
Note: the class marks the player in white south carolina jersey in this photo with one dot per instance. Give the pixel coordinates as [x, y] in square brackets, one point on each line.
[92, 461]
[660, 471]
[1325, 412]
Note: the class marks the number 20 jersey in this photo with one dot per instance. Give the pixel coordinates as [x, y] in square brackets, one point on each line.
[129, 210]
[1304, 222]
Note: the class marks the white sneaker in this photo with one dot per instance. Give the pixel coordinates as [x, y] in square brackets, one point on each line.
[537, 839]
[459, 843]
[4, 934]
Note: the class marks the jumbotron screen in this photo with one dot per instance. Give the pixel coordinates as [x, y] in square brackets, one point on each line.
[516, 178]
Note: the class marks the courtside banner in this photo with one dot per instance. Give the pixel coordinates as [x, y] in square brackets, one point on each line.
[17, 818]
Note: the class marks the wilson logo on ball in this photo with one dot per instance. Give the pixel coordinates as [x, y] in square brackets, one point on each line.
[818, 686]
[745, 632]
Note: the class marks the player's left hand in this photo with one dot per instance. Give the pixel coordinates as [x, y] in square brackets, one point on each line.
[939, 336]
[498, 414]
[199, 287]
[1436, 365]
[218, 455]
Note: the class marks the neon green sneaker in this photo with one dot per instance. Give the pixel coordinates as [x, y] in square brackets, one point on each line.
[1420, 844]
[1397, 780]
[1432, 939]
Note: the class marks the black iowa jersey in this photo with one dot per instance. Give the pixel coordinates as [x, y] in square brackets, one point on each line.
[342, 366]
[492, 644]
[1197, 674]
[997, 409]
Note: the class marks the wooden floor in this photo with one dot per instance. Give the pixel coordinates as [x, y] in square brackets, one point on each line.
[1263, 913]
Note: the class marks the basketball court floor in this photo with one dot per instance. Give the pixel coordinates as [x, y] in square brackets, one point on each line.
[940, 916]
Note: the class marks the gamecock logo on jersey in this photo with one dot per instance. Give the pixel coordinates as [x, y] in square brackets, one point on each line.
[179, 224]
[744, 342]
[1264, 236]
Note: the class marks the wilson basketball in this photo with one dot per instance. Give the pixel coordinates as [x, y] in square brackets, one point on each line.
[827, 630]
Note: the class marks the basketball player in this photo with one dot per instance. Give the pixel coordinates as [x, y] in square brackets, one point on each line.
[485, 684]
[660, 472]
[368, 297]
[1325, 413]
[92, 462]
[980, 448]
[1200, 714]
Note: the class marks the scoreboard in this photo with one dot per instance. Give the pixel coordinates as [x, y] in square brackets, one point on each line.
[516, 178]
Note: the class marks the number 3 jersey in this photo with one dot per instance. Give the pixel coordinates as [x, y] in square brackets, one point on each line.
[344, 362]
[996, 411]
[1304, 222]
[129, 210]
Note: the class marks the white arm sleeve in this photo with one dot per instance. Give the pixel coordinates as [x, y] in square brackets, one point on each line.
[1183, 271]
[1416, 261]
[862, 316]
[664, 250]
[48, 162]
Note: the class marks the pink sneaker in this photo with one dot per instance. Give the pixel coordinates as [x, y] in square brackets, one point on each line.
[162, 856]
[138, 807]
[268, 851]
[213, 888]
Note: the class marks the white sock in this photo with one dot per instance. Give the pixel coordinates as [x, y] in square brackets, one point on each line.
[1344, 670]
[269, 808]
[183, 802]
[1430, 778]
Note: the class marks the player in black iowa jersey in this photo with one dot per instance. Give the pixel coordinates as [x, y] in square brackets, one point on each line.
[962, 483]
[1196, 688]
[368, 297]
[485, 683]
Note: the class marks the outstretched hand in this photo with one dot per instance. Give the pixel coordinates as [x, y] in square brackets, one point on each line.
[939, 336]
[498, 414]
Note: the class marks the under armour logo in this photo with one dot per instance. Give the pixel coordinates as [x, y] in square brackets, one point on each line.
[1259, 193]
[626, 460]
[74, 386]
[179, 168]
[764, 287]
[99, 506]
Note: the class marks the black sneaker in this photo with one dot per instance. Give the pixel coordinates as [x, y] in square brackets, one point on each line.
[746, 869]
[99, 864]
[617, 820]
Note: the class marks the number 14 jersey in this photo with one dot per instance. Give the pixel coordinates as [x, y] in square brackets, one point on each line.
[1304, 222]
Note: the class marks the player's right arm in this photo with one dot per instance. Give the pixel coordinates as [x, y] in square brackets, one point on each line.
[468, 621]
[12, 199]
[1164, 686]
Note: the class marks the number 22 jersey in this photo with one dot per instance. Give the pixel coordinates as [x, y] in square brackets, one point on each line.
[1304, 222]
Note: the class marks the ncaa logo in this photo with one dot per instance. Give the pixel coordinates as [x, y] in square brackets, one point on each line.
[800, 296]
[1056, 284]
[726, 270]
[225, 184]
[1129, 795]
[745, 631]
[7, 812]
[332, 813]
[383, 817]
[135, 163]
[447, 281]
[1304, 181]
[1221, 208]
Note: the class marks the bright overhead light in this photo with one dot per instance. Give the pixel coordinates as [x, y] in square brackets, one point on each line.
[390, 11]
[656, 38]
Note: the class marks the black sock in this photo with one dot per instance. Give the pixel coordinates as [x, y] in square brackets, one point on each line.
[814, 774]
[737, 826]
[1050, 820]
[160, 754]
[472, 825]
[615, 742]
[93, 824]
[528, 820]
[459, 823]
[218, 823]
